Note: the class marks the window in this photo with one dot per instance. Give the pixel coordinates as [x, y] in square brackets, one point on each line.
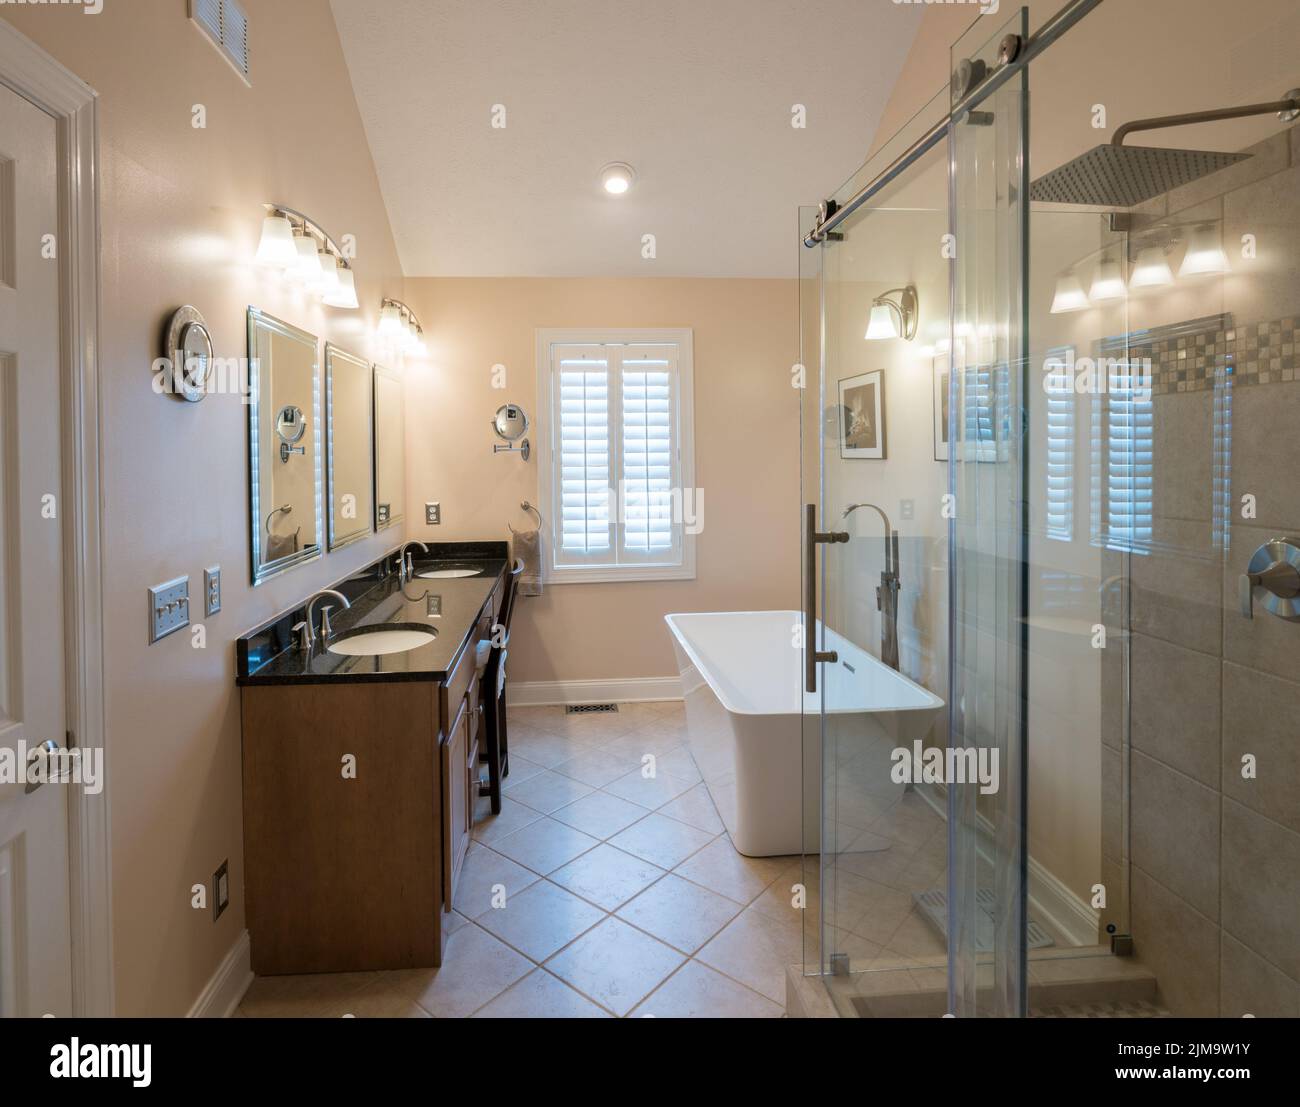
[1060, 447]
[615, 455]
[1122, 453]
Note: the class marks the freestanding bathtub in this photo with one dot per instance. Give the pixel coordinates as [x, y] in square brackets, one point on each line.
[755, 733]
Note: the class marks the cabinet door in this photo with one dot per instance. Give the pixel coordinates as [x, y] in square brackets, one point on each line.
[455, 796]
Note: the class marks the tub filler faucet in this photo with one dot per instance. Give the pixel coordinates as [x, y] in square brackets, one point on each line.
[887, 592]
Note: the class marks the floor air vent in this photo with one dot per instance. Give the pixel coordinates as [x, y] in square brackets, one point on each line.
[590, 708]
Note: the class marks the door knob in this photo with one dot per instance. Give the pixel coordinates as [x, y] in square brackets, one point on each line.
[41, 752]
[1274, 567]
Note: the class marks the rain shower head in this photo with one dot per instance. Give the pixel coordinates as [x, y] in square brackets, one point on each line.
[1119, 176]
[1124, 176]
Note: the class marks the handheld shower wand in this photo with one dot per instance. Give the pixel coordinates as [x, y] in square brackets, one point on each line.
[887, 592]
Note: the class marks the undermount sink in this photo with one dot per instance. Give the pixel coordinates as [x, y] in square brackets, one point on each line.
[446, 574]
[372, 642]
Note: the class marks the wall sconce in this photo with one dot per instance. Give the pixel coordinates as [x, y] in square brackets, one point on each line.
[303, 250]
[1204, 253]
[894, 318]
[1107, 282]
[1151, 269]
[398, 324]
[1069, 295]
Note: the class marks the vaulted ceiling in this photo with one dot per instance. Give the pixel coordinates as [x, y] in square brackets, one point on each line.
[697, 95]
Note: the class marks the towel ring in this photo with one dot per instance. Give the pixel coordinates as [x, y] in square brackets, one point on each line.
[285, 508]
[527, 507]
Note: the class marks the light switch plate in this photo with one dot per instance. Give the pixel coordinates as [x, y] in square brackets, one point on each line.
[433, 514]
[220, 890]
[907, 508]
[212, 590]
[169, 608]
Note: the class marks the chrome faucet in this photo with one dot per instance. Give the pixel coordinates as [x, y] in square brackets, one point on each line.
[405, 563]
[307, 628]
[887, 592]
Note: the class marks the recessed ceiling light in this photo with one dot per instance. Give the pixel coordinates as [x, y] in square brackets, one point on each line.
[617, 177]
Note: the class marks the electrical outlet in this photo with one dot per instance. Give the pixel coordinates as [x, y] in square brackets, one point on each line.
[433, 606]
[433, 514]
[212, 590]
[169, 608]
[907, 509]
[220, 890]
[382, 514]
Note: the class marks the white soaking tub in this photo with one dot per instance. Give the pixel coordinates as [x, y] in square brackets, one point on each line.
[742, 680]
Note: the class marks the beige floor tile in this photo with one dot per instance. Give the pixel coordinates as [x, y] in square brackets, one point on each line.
[669, 708]
[545, 845]
[541, 919]
[615, 964]
[476, 968]
[755, 950]
[309, 995]
[521, 769]
[485, 869]
[489, 828]
[541, 996]
[650, 792]
[547, 750]
[680, 764]
[539, 718]
[546, 791]
[596, 767]
[880, 919]
[452, 921]
[695, 808]
[600, 814]
[661, 841]
[606, 876]
[718, 866]
[696, 991]
[642, 741]
[779, 900]
[680, 913]
[386, 999]
[594, 728]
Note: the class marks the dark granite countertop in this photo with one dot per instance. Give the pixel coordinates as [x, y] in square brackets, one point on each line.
[448, 607]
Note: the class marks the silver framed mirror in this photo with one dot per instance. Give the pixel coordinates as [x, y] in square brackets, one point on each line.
[511, 424]
[284, 446]
[390, 448]
[188, 349]
[349, 448]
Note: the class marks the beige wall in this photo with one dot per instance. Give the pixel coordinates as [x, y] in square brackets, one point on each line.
[181, 215]
[746, 451]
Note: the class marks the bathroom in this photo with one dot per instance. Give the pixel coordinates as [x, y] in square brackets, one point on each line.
[639, 519]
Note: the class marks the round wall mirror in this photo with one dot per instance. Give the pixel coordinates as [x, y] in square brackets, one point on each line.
[189, 350]
[510, 422]
[290, 424]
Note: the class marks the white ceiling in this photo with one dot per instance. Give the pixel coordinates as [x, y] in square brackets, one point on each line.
[695, 94]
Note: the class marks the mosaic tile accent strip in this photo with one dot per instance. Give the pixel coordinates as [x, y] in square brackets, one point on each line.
[1254, 354]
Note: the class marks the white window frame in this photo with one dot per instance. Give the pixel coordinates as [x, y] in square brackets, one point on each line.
[547, 497]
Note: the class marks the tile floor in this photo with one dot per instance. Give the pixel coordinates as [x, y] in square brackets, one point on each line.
[595, 893]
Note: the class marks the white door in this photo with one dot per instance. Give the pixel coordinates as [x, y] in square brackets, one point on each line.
[35, 961]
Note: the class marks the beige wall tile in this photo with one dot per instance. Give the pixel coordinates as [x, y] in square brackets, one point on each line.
[1179, 945]
[1260, 714]
[1175, 824]
[1175, 705]
[1261, 885]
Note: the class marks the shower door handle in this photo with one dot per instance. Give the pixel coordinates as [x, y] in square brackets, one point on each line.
[812, 538]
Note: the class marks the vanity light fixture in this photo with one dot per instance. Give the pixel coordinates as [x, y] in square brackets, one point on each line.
[304, 251]
[1151, 269]
[1107, 282]
[398, 324]
[892, 318]
[617, 177]
[1069, 295]
[1205, 253]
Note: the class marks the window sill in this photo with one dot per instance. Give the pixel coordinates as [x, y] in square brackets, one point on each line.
[619, 576]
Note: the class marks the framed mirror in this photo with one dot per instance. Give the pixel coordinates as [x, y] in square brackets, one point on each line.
[349, 447]
[390, 448]
[284, 445]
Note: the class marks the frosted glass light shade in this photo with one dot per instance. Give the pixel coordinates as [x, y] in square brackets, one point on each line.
[1069, 296]
[1151, 270]
[1204, 254]
[345, 295]
[390, 321]
[882, 323]
[275, 247]
[329, 273]
[306, 267]
[1107, 282]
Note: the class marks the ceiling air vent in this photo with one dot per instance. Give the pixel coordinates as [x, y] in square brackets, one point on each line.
[226, 23]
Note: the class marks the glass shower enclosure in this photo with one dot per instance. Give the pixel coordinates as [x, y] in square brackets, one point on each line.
[1044, 447]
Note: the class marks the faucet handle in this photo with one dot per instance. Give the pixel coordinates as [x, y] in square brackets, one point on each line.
[303, 631]
[325, 629]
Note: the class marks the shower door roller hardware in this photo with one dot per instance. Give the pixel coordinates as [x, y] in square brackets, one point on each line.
[1274, 567]
[44, 752]
[814, 537]
[1008, 49]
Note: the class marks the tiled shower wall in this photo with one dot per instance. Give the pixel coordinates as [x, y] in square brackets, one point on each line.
[1215, 858]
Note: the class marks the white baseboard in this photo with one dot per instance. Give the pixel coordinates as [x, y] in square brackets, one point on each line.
[1073, 916]
[543, 693]
[223, 992]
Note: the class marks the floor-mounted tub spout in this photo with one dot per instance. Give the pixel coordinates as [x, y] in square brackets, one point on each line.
[887, 593]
